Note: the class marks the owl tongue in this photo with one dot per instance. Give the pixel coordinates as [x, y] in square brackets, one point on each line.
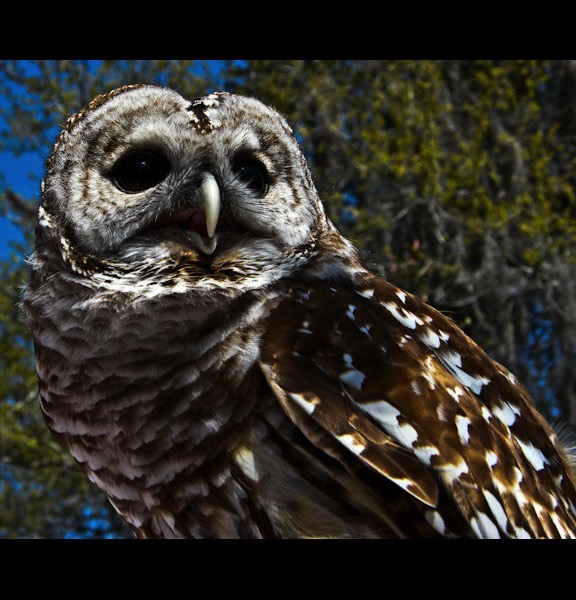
[197, 223]
[202, 220]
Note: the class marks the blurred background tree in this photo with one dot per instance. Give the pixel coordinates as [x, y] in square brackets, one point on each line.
[455, 180]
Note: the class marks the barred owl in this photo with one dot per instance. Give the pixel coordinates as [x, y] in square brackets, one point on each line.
[213, 354]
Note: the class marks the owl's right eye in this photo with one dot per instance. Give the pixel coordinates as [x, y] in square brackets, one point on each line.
[140, 171]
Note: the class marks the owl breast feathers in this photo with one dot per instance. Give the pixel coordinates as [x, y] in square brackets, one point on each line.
[218, 361]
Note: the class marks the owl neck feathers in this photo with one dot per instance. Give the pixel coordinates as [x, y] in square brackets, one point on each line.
[113, 382]
[118, 371]
[334, 260]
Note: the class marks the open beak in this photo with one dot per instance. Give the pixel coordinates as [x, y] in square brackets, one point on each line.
[209, 200]
[201, 219]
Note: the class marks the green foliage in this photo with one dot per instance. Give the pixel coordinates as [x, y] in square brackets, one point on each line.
[470, 146]
[455, 179]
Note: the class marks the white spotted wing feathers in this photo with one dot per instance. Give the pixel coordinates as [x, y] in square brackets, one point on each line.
[409, 396]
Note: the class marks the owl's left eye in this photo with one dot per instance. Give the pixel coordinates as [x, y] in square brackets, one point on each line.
[140, 171]
[254, 174]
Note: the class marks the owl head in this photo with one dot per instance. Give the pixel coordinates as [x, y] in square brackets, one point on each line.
[143, 183]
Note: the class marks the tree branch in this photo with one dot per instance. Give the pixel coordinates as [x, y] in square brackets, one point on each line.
[22, 207]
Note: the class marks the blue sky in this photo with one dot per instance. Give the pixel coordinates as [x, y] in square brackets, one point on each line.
[15, 173]
[22, 174]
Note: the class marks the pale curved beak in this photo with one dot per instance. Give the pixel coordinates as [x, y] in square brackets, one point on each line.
[209, 196]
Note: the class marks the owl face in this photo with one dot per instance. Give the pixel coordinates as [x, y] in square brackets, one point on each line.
[143, 178]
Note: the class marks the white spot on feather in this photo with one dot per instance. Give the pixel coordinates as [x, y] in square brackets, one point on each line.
[506, 413]
[431, 339]
[497, 509]
[441, 412]
[436, 521]
[350, 312]
[306, 405]
[402, 296]
[429, 371]
[425, 453]
[407, 435]
[453, 362]
[352, 443]
[383, 412]
[455, 393]
[220, 478]
[473, 383]
[509, 376]
[491, 458]
[352, 376]
[450, 472]
[402, 482]
[405, 317]
[44, 220]
[403, 339]
[533, 454]
[245, 460]
[462, 424]
[305, 327]
[522, 534]
[451, 358]
[366, 293]
[484, 527]
[564, 533]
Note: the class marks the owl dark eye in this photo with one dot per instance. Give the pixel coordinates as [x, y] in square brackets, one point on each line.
[254, 174]
[140, 171]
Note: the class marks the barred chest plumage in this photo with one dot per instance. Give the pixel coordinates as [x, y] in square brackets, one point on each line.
[174, 420]
[121, 381]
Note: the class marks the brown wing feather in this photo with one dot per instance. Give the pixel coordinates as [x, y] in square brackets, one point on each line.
[408, 394]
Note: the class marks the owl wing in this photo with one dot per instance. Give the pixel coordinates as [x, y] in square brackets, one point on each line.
[398, 387]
